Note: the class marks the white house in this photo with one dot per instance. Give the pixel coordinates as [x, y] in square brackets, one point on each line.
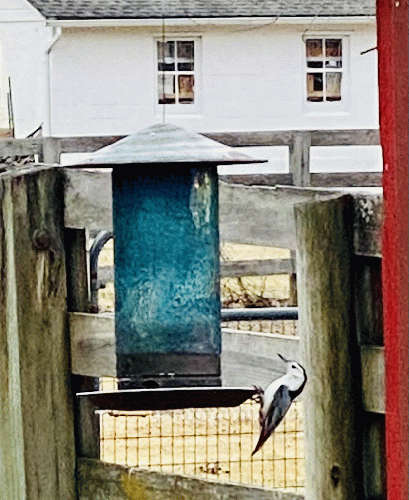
[86, 67]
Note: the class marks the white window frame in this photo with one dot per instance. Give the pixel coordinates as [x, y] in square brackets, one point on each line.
[328, 107]
[178, 108]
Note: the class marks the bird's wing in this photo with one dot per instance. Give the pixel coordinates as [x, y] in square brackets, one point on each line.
[276, 412]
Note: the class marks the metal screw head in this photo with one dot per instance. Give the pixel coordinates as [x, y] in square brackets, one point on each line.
[42, 239]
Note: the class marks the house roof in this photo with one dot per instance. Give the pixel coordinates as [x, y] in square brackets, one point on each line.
[151, 9]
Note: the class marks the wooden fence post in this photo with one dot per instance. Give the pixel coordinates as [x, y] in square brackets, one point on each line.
[299, 166]
[87, 431]
[330, 351]
[50, 150]
[37, 450]
[299, 160]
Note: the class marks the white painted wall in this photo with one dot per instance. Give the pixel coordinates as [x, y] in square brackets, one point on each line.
[103, 81]
[249, 78]
[23, 38]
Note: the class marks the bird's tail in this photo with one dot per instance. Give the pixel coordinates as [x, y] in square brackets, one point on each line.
[261, 440]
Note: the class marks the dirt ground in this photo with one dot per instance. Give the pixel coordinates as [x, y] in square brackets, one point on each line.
[213, 442]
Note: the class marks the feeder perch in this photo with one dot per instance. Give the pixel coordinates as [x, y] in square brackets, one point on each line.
[165, 220]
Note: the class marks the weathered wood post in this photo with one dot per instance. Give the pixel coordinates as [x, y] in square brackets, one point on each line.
[299, 166]
[324, 247]
[299, 158]
[37, 451]
[87, 432]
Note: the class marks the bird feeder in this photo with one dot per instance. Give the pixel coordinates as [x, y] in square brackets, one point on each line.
[166, 252]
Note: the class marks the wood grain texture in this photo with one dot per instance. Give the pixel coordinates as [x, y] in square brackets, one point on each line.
[19, 147]
[366, 275]
[368, 217]
[346, 179]
[98, 480]
[299, 158]
[92, 344]
[50, 151]
[87, 432]
[247, 357]
[88, 199]
[323, 180]
[373, 378]
[265, 267]
[258, 215]
[37, 435]
[76, 269]
[324, 248]
[237, 268]
[85, 144]
[259, 179]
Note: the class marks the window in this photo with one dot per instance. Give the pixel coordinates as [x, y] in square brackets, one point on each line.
[176, 72]
[324, 69]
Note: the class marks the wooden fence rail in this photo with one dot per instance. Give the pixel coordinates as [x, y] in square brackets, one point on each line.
[231, 269]
[103, 481]
[254, 215]
[247, 357]
[299, 142]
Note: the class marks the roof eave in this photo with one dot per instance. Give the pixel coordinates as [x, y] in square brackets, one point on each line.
[206, 21]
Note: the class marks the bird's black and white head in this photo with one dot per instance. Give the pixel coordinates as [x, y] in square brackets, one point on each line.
[296, 376]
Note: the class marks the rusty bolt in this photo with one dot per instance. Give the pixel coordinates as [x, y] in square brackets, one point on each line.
[42, 239]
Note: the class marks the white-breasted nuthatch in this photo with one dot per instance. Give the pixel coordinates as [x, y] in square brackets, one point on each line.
[277, 398]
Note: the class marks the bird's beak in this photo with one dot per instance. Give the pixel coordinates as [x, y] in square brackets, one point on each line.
[283, 358]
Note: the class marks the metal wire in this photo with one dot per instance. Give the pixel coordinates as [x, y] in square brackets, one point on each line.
[211, 443]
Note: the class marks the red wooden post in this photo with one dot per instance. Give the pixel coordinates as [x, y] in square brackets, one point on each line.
[392, 22]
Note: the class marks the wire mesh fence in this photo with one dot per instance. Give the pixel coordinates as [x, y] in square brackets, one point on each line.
[211, 443]
[214, 443]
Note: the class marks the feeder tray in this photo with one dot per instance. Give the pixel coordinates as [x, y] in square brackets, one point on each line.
[168, 398]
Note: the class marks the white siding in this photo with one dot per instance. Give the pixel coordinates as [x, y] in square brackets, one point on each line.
[103, 81]
[23, 37]
[18, 10]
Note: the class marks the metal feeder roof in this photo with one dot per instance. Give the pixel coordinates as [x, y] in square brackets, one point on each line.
[165, 143]
[168, 398]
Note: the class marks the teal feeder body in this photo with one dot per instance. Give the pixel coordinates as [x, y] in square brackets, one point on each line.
[167, 311]
[166, 244]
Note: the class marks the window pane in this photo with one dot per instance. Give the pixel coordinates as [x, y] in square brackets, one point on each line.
[166, 89]
[315, 88]
[186, 89]
[186, 56]
[333, 47]
[166, 56]
[333, 85]
[315, 64]
[333, 63]
[333, 52]
[314, 47]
